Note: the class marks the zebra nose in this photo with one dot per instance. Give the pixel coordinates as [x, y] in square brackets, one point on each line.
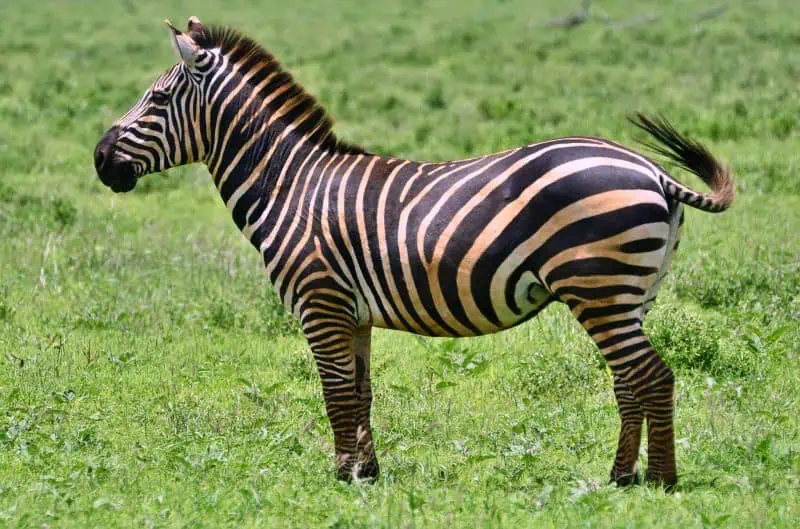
[100, 157]
[102, 153]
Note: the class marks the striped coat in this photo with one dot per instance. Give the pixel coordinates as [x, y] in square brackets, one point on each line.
[353, 240]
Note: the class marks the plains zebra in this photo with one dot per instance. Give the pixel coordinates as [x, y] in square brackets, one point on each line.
[353, 240]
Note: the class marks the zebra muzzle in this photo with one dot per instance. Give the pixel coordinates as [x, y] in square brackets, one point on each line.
[114, 173]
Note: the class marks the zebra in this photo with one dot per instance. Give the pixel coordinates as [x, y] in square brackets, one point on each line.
[352, 240]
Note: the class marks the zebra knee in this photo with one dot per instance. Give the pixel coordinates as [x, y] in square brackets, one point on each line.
[669, 376]
[663, 378]
[654, 389]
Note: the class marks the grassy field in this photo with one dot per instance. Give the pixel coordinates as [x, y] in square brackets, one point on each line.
[149, 378]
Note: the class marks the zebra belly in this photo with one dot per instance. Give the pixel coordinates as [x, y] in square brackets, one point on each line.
[528, 296]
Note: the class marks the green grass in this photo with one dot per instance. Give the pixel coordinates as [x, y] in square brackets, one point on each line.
[148, 377]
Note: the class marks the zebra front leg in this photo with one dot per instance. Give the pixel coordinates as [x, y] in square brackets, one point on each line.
[335, 347]
[366, 465]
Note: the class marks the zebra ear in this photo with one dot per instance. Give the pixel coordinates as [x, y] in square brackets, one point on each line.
[187, 48]
[194, 25]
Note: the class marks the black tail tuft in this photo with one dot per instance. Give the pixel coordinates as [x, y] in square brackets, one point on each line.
[692, 156]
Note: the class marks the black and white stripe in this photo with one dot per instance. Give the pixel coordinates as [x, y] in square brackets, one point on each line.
[353, 240]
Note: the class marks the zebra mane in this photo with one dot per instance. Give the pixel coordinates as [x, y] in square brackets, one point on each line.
[232, 42]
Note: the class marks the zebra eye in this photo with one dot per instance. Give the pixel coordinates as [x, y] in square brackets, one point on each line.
[159, 97]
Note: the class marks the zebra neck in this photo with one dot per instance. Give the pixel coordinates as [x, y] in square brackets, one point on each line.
[266, 182]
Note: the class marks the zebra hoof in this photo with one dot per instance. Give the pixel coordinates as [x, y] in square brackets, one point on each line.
[625, 480]
[366, 471]
[668, 483]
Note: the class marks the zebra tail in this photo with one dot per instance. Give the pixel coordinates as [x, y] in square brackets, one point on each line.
[695, 158]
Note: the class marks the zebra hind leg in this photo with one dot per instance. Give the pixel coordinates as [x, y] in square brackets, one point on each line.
[624, 472]
[644, 386]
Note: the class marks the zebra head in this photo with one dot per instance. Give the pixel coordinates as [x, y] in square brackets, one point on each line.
[162, 129]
